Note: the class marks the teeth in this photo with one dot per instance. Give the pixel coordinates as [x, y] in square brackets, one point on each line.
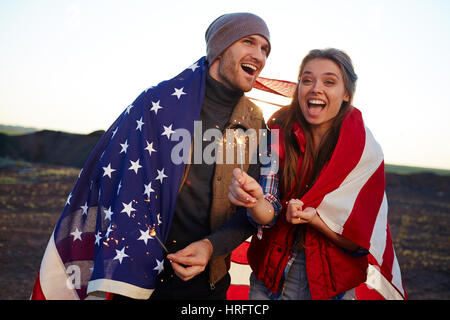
[250, 66]
[316, 102]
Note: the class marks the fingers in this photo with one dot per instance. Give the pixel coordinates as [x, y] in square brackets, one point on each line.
[244, 190]
[186, 260]
[237, 202]
[186, 267]
[239, 197]
[308, 214]
[295, 213]
[239, 175]
[192, 260]
[294, 210]
[295, 202]
[186, 273]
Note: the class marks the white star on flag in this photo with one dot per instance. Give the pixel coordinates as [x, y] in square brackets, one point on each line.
[167, 131]
[139, 124]
[119, 186]
[114, 133]
[124, 147]
[129, 108]
[145, 235]
[85, 208]
[161, 175]
[98, 237]
[159, 218]
[135, 165]
[108, 231]
[148, 189]
[178, 93]
[108, 170]
[194, 66]
[108, 213]
[128, 208]
[120, 255]
[68, 198]
[149, 148]
[159, 266]
[76, 234]
[155, 106]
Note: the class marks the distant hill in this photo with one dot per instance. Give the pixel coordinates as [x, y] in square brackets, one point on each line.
[391, 168]
[52, 147]
[16, 130]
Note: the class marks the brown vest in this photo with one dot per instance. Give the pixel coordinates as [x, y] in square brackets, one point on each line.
[248, 116]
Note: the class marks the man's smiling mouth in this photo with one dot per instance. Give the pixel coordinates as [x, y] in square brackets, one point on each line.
[249, 68]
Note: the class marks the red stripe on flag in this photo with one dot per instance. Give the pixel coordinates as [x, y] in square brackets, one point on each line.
[70, 250]
[280, 87]
[239, 255]
[359, 225]
[363, 292]
[37, 290]
[346, 156]
[238, 292]
[388, 256]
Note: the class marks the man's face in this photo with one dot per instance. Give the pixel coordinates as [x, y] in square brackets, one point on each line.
[240, 64]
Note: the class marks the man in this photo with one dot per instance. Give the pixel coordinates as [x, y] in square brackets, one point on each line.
[237, 47]
[131, 192]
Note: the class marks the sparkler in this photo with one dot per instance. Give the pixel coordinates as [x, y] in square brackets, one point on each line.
[153, 234]
[240, 140]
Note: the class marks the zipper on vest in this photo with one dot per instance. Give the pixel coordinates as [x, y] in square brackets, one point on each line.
[212, 286]
[288, 235]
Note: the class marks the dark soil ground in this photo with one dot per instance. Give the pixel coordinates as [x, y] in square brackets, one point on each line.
[32, 197]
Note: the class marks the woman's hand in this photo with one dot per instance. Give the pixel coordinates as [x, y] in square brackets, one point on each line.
[244, 190]
[296, 215]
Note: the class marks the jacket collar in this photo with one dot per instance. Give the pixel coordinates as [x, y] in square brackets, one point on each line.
[244, 114]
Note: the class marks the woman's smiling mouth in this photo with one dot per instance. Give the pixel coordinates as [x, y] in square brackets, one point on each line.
[315, 106]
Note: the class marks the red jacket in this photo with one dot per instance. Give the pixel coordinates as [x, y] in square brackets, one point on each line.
[329, 269]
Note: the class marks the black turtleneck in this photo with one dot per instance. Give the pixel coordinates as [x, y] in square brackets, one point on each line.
[218, 104]
[191, 221]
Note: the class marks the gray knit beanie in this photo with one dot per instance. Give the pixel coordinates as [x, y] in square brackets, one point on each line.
[229, 28]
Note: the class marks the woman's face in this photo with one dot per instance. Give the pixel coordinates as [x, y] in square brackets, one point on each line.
[321, 92]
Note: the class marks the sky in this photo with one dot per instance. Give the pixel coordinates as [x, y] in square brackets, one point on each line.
[75, 65]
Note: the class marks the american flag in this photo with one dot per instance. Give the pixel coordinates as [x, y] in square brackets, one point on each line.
[126, 191]
[350, 197]
[280, 87]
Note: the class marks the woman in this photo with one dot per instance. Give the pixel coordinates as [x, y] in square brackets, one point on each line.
[319, 247]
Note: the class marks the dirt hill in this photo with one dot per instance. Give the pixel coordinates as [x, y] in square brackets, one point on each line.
[52, 147]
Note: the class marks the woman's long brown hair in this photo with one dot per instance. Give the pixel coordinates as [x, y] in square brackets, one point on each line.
[296, 180]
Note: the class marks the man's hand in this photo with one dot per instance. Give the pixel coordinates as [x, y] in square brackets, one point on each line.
[244, 190]
[192, 260]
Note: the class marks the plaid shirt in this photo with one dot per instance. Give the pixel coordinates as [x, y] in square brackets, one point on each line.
[269, 185]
